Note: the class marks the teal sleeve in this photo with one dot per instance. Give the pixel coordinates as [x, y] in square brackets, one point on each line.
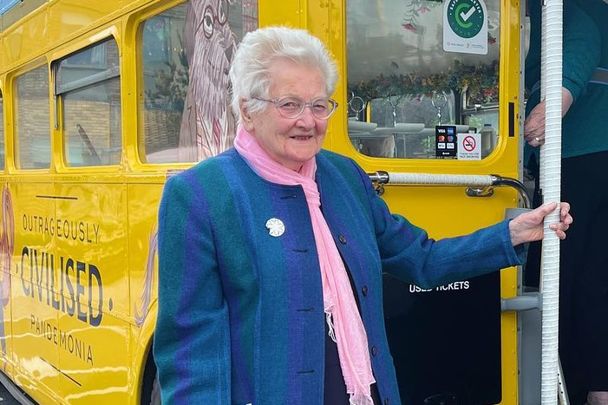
[191, 342]
[407, 252]
[582, 49]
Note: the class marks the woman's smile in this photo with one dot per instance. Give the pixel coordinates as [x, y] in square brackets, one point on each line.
[290, 141]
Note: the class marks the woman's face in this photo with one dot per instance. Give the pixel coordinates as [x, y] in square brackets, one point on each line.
[290, 141]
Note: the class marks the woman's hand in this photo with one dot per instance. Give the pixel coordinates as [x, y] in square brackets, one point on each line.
[528, 227]
[534, 126]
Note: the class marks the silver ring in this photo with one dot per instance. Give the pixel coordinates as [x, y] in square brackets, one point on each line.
[537, 139]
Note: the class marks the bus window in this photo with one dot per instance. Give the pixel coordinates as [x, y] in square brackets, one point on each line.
[402, 84]
[186, 104]
[32, 122]
[89, 85]
[1, 132]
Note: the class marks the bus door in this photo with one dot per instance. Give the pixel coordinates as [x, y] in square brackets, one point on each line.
[432, 88]
[34, 304]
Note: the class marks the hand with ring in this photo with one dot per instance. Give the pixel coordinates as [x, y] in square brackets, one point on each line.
[534, 126]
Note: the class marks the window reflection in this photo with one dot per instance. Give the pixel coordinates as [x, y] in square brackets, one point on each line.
[402, 84]
[33, 139]
[89, 84]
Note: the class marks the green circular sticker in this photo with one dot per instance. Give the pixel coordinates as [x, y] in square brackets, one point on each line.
[465, 17]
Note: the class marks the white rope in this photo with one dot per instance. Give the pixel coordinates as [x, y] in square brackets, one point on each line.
[441, 179]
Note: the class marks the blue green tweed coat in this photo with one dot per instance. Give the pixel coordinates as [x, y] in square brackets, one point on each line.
[240, 316]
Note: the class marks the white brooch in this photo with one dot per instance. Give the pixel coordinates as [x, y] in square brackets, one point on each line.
[275, 226]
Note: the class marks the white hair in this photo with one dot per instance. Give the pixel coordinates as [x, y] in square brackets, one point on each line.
[249, 72]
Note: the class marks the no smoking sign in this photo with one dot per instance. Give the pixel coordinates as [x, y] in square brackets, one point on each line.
[469, 143]
[469, 147]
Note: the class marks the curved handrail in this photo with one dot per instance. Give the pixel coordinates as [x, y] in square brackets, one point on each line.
[478, 185]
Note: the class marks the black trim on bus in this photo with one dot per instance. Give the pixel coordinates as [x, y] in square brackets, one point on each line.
[58, 370]
[511, 119]
[56, 197]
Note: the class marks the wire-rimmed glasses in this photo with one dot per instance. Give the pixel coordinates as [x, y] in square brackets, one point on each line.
[292, 107]
[211, 15]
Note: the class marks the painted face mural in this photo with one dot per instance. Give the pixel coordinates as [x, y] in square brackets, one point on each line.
[207, 123]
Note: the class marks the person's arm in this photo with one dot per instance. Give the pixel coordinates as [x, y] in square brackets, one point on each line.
[409, 254]
[192, 341]
[581, 55]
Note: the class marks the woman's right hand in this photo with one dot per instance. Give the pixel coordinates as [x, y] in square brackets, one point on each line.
[528, 227]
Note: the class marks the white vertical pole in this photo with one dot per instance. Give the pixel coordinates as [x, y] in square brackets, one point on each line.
[550, 174]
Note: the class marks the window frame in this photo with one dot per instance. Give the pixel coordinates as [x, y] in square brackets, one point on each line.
[59, 91]
[14, 122]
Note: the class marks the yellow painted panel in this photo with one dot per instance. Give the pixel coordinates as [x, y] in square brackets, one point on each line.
[144, 195]
[143, 258]
[92, 241]
[23, 41]
[34, 320]
[93, 230]
[71, 16]
[286, 12]
[95, 361]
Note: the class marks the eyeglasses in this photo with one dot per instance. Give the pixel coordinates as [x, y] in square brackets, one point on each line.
[220, 15]
[292, 107]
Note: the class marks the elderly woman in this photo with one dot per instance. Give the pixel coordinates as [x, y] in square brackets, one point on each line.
[271, 253]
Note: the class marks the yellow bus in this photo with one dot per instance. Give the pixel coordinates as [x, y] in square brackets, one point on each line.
[101, 101]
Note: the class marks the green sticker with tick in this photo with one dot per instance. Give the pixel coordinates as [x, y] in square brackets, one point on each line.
[465, 27]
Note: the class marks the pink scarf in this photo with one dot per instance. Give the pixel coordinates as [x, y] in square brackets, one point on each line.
[342, 315]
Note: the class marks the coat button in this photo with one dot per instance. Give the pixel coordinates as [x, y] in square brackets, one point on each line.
[342, 239]
[374, 351]
[364, 291]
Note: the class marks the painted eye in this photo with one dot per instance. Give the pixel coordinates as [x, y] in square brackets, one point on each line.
[208, 22]
[222, 12]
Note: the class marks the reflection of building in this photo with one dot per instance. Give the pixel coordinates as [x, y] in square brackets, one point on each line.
[398, 67]
[250, 16]
[165, 80]
[34, 146]
[89, 84]
[395, 49]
